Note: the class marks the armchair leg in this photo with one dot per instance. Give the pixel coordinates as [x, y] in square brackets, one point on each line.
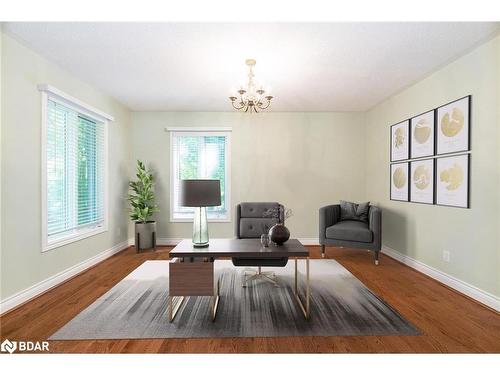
[322, 251]
[376, 258]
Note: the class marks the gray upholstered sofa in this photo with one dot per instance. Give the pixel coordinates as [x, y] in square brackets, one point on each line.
[350, 233]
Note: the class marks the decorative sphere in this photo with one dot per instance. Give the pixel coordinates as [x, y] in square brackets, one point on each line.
[279, 234]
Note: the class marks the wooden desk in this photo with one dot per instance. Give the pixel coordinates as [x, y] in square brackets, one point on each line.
[192, 270]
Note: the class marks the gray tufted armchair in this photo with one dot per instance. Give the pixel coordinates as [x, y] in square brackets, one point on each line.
[350, 233]
[252, 222]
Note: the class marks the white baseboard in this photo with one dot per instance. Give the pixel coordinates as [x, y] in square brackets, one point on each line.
[175, 241]
[25, 295]
[469, 290]
[168, 241]
[309, 241]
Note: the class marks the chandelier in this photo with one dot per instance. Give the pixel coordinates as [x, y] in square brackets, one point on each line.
[251, 99]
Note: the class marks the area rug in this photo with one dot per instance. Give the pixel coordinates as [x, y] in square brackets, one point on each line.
[136, 308]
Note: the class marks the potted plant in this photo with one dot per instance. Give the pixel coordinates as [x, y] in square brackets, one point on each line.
[141, 199]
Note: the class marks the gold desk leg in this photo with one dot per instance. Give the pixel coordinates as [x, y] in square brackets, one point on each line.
[296, 290]
[214, 301]
[305, 309]
[308, 291]
[174, 304]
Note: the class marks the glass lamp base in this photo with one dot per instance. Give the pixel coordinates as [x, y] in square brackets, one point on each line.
[200, 244]
[200, 227]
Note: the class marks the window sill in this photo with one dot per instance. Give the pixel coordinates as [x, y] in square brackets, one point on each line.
[74, 238]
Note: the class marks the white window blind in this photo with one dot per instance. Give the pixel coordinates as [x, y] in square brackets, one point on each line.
[199, 155]
[75, 168]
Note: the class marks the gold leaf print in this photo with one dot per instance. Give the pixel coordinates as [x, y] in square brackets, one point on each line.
[400, 134]
[452, 126]
[422, 131]
[421, 177]
[453, 176]
[399, 178]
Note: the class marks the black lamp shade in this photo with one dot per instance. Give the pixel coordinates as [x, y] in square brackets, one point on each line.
[199, 193]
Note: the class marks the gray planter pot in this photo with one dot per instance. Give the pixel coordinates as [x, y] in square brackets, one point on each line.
[145, 235]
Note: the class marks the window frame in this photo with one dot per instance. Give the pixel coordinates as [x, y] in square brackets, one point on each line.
[50, 92]
[202, 131]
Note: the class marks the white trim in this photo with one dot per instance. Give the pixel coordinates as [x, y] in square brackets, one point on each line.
[169, 241]
[469, 290]
[33, 291]
[198, 129]
[43, 169]
[226, 132]
[309, 241]
[78, 236]
[51, 92]
[165, 241]
[175, 241]
[68, 99]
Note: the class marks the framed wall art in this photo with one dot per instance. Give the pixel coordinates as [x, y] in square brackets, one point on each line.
[452, 181]
[400, 145]
[422, 135]
[399, 182]
[453, 127]
[422, 181]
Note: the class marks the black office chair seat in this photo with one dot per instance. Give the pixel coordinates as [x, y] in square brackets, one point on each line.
[259, 262]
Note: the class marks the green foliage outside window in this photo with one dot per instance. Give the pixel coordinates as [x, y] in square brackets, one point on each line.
[194, 162]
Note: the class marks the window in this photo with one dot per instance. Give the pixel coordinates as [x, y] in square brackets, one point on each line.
[200, 153]
[74, 172]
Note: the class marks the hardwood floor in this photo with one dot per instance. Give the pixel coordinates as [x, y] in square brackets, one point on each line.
[449, 322]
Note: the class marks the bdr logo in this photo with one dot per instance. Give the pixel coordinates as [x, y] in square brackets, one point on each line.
[8, 346]
[24, 346]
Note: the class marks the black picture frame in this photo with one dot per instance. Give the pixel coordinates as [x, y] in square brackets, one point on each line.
[434, 134]
[407, 138]
[407, 181]
[469, 121]
[433, 181]
[467, 206]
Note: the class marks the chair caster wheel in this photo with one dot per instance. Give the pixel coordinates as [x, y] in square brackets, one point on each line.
[322, 255]
[376, 262]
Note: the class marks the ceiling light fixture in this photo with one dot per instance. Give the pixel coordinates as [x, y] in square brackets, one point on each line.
[251, 99]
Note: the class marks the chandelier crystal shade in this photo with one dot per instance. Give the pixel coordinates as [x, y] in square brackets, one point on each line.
[251, 99]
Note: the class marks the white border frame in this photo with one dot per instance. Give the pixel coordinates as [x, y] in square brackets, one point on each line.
[433, 133]
[433, 178]
[438, 134]
[437, 182]
[404, 123]
[196, 131]
[407, 181]
[47, 92]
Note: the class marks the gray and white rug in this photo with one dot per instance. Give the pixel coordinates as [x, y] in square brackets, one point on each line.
[137, 307]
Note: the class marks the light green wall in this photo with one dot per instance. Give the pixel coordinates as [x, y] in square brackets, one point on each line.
[23, 264]
[1, 127]
[498, 153]
[303, 160]
[422, 231]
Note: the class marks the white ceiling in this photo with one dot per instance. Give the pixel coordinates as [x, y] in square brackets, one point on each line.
[193, 67]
